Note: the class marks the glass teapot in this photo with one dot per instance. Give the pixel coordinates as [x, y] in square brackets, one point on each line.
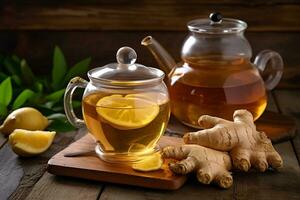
[125, 107]
[216, 76]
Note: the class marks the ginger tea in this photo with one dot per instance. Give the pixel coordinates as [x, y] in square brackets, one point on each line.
[216, 86]
[126, 124]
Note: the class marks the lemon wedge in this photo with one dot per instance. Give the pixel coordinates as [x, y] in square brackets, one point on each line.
[127, 112]
[29, 143]
[149, 163]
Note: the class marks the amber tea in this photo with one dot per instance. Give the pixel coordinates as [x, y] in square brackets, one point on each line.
[216, 86]
[125, 124]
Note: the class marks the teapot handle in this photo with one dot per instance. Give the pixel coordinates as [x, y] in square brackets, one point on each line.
[273, 75]
[73, 84]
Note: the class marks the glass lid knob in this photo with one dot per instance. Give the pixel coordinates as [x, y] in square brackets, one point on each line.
[216, 17]
[126, 56]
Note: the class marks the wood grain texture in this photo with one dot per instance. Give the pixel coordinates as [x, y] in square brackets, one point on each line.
[121, 2]
[51, 187]
[132, 15]
[92, 168]
[2, 140]
[192, 190]
[37, 47]
[288, 101]
[19, 175]
[11, 172]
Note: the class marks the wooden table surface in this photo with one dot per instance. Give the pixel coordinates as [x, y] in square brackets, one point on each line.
[26, 178]
[31, 28]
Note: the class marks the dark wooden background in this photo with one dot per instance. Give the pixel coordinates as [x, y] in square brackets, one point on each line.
[97, 28]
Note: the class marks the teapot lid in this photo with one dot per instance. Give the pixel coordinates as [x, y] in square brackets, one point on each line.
[216, 24]
[126, 72]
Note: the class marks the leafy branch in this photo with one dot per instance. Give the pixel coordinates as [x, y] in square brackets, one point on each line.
[19, 87]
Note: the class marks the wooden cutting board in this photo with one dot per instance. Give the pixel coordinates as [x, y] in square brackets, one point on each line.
[278, 127]
[90, 167]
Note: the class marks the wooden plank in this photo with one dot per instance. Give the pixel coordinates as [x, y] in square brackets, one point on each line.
[2, 140]
[121, 2]
[50, 187]
[191, 191]
[18, 175]
[288, 101]
[92, 168]
[10, 171]
[102, 47]
[133, 15]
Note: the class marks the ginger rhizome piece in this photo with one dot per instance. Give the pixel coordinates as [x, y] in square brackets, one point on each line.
[210, 165]
[247, 146]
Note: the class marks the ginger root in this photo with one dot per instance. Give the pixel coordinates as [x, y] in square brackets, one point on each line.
[210, 165]
[245, 144]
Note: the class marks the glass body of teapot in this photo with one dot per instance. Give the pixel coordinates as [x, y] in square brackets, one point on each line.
[216, 76]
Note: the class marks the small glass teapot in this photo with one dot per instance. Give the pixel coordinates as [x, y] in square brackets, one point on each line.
[125, 107]
[216, 76]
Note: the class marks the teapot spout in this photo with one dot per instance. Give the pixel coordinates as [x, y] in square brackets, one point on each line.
[162, 57]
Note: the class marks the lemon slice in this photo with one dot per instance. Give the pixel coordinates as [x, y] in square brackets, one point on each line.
[159, 98]
[127, 112]
[150, 163]
[29, 143]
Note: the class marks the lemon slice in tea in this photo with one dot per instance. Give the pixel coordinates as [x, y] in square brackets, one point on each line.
[126, 112]
[29, 143]
[150, 163]
[159, 98]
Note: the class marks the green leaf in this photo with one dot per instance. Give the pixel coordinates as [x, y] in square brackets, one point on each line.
[22, 98]
[78, 69]
[48, 105]
[15, 58]
[56, 96]
[58, 108]
[16, 79]
[6, 92]
[57, 116]
[11, 66]
[59, 68]
[43, 109]
[27, 74]
[3, 110]
[59, 123]
[46, 84]
[38, 87]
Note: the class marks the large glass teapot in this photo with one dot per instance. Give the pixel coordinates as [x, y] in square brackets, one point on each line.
[216, 76]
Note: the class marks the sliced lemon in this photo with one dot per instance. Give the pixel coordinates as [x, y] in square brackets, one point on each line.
[150, 163]
[159, 98]
[29, 143]
[127, 112]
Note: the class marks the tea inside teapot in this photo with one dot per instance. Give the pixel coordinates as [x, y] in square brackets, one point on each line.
[215, 86]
